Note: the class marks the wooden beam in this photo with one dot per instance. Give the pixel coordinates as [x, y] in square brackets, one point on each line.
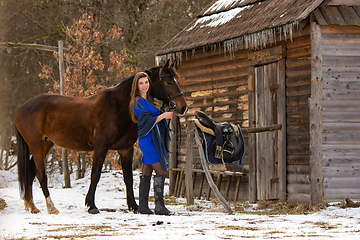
[267, 56]
[315, 106]
[345, 2]
[31, 46]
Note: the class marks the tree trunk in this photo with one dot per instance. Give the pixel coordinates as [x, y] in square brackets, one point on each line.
[66, 169]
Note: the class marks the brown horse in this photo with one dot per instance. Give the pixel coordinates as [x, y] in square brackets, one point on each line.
[97, 123]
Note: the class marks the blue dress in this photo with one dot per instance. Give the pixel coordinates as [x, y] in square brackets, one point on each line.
[146, 144]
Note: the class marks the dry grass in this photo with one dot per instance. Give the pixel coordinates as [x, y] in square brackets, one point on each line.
[266, 207]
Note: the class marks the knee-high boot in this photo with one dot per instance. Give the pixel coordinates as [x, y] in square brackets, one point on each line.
[160, 208]
[144, 189]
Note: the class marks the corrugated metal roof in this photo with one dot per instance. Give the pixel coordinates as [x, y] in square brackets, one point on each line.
[250, 22]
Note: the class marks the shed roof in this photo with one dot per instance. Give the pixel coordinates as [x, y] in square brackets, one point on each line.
[249, 23]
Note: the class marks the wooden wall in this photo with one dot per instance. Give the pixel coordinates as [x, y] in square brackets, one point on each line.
[341, 112]
[298, 80]
[216, 83]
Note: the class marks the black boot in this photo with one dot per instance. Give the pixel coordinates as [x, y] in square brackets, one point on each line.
[144, 195]
[160, 208]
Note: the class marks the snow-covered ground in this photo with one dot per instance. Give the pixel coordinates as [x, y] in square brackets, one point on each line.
[204, 220]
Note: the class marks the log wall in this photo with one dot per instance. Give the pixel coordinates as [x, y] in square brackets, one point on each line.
[298, 86]
[341, 112]
[215, 83]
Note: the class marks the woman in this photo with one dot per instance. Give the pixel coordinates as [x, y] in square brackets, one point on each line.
[152, 139]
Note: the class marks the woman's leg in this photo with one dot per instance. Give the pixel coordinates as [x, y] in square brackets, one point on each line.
[144, 189]
[159, 180]
[158, 169]
[147, 170]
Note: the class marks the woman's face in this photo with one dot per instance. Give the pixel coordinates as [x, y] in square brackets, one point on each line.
[143, 86]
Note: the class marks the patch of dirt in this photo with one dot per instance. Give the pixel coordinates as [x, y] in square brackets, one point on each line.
[2, 204]
[348, 203]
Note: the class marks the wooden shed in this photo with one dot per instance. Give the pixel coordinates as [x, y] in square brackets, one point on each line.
[292, 66]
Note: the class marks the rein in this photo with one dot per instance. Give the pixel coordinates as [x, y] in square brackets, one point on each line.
[170, 102]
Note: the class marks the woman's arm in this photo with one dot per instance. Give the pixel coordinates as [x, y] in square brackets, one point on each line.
[165, 115]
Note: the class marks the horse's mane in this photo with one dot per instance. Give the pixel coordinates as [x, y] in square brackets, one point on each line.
[131, 78]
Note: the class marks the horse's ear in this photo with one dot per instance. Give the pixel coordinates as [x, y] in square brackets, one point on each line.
[173, 65]
[166, 66]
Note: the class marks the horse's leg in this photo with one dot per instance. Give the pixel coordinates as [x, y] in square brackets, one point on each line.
[28, 198]
[126, 163]
[42, 177]
[98, 161]
[26, 173]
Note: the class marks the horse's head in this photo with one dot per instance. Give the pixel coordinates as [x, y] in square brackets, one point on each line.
[165, 86]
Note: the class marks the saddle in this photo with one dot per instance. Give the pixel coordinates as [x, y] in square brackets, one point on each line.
[222, 142]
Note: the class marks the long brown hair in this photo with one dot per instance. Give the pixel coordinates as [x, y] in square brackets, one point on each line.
[136, 93]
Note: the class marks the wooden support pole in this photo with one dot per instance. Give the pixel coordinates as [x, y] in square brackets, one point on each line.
[208, 175]
[201, 184]
[252, 143]
[173, 155]
[189, 162]
[316, 126]
[237, 188]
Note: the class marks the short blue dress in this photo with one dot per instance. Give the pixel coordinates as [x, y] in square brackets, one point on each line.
[146, 144]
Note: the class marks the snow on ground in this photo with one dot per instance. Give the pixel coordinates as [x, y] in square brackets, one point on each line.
[204, 220]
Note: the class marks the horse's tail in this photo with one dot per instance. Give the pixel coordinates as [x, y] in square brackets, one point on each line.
[26, 166]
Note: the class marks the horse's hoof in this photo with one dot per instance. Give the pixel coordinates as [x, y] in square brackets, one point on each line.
[35, 211]
[93, 211]
[55, 212]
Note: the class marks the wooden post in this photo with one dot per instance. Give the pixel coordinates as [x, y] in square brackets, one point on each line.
[208, 175]
[64, 151]
[189, 162]
[173, 155]
[315, 106]
[252, 138]
[281, 103]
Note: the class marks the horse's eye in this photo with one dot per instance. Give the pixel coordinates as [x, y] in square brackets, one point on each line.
[169, 83]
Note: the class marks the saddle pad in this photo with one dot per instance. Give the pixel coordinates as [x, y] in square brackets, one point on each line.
[209, 146]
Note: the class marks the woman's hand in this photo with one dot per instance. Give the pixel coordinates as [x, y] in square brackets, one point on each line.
[165, 115]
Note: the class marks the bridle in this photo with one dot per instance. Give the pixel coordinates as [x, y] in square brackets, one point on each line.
[170, 102]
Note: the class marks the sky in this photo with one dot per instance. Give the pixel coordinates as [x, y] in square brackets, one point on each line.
[203, 220]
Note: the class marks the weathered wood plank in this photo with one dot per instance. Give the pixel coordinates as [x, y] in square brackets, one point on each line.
[337, 172]
[298, 179]
[299, 61]
[341, 116]
[298, 80]
[332, 15]
[336, 150]
[299, 197]
[298, 71]
[340, 50]
[211, 68]
[344, 2]
[267, 56]
[299, 51]
[222, 75]
[341, 161]
[341, 61]
[338, 39]
[342, 83]
[341, 72]
[320, 17]
[298, 188]
[340, 29]
[340, 194]
[341, 94]
[349, 14]
[298, 90]
[339, 127]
